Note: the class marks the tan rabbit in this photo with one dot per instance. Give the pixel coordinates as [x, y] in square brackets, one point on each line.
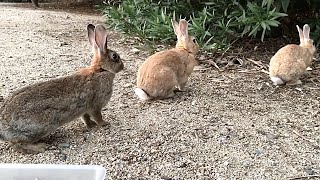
[166, 71]
[291, 61]
[39, 109]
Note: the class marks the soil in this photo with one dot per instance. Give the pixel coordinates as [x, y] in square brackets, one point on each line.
[230, 123]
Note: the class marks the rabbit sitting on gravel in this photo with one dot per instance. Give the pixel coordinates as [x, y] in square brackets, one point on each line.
[39, 109]
[291, 61]
[167, 71]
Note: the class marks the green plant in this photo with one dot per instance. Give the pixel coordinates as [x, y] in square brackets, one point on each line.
[258, 18]
[279, 4]
[145, 18]
[216, 24]
[209, 34]
[219, 23]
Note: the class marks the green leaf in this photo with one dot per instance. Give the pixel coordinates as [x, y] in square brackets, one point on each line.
[285, 5]
[250, 6]
[263, 25]
[278, 14]
[264, 2]
[246, 30]
[163, 16]
[268, 27]
[272, 11]
[272, 23]
[268, 3]
[262, 35]
[254, 30]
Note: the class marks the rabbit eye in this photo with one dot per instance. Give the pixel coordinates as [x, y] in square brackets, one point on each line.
[194, 40]
[114, 57]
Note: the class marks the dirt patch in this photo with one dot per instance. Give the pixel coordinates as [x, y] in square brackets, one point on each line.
[85, 7]
[228, 124]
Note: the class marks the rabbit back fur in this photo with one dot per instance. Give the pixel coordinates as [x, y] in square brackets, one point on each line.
[47, 106]
[34, 111]
[294, 62]
[166, 71]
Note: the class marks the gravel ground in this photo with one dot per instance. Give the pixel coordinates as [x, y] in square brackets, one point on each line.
[227, 125]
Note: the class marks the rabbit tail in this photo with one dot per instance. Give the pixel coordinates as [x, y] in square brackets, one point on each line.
[277, 80]
[142, 94]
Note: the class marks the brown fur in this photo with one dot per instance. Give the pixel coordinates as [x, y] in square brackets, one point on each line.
[164, 72]
[291, 61]
[35, 111]
[93, 68]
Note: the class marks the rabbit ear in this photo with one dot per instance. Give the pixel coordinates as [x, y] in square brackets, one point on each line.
[183, 25]
[91, 35]
[101, 38]
[300, 34]
[176, 28]
[306, 31]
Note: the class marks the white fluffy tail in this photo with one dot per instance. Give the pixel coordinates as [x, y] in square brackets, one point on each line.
[277, 80]
[141, 94]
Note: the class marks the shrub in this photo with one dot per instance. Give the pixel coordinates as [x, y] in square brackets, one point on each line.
[216, 24]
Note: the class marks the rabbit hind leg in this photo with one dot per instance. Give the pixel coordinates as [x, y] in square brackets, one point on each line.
[87, 121]
[98, 119]
[29, 148]
[25, 139]
[293, 82]
[169, 95]
[182, 84]
[162, 99]
[166, 94]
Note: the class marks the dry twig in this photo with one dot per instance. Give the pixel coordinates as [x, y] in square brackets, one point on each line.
[258, 63]
[306, 139]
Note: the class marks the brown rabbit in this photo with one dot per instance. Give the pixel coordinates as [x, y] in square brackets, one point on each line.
[164, 72]
[291, 61]
[39, 109]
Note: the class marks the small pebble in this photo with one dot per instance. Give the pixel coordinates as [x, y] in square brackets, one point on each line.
[273, 163]
[135, 50]
[202, 58]
[310, 171]
[52, 148]
[259, 152]
[198, 68]
[226, 163]
[63, 157]
[166, 178]
[63, 44]
[127, 85]
[271, 136]
[246, 163]
[223, 140]
[64, 145]
[182, 165]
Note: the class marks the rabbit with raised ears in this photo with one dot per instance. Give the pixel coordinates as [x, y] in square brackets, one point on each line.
[37, 110]
[290, 62]
[167, 71]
